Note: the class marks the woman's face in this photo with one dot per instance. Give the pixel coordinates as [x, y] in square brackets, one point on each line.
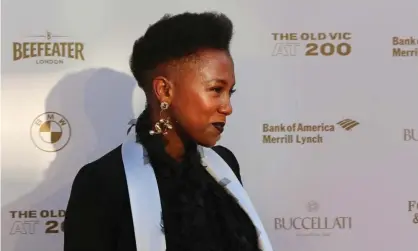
[201, 97]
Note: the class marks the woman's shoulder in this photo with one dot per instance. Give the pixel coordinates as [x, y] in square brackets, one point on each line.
[102, 172]
[229, 158]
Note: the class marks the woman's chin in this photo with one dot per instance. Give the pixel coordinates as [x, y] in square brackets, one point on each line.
[209, 142]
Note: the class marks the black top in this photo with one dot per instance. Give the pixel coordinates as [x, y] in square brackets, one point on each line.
[197, 213]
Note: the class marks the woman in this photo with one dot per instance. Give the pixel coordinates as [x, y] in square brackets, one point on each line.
[168, 187]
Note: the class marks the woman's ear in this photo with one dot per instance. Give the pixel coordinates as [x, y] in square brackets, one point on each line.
[163, 89]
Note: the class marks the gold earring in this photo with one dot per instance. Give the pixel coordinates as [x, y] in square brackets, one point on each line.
[163, 125]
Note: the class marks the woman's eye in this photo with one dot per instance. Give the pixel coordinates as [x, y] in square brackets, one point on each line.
[217, 89]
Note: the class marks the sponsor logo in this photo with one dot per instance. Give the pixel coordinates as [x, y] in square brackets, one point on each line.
[410, 135]
[413, 208]
[405, 46]
[29, 222]
[48, 49]
[324, 44]
[302, 133]
[50, 132]
[313, 224]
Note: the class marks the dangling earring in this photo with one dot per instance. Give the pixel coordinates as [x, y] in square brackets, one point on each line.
[163, 125]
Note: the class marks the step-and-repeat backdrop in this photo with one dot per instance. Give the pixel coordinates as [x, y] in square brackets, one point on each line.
[325, 122]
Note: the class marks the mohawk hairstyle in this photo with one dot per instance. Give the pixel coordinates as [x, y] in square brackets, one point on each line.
[176, 37]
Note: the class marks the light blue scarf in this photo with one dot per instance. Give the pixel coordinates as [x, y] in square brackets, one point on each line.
[145, 198]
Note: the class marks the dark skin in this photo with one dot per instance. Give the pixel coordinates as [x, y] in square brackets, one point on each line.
[198, 92]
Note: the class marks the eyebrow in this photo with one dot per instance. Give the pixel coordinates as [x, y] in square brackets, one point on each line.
[219, 80]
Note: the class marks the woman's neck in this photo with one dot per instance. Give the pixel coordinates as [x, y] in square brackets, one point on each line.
[174, 146]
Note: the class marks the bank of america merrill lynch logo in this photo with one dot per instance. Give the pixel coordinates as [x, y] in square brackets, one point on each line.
[303, 133]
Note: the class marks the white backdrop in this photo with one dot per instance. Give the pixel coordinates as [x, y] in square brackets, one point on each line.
[354, 189]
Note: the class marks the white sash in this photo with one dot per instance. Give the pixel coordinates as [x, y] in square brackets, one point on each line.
[145, 198]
